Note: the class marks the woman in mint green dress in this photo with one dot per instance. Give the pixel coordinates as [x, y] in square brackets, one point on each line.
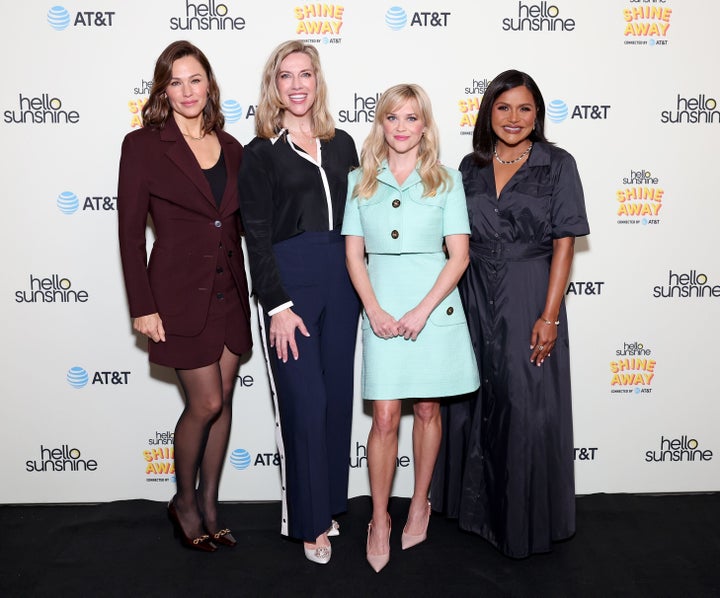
[407, 213]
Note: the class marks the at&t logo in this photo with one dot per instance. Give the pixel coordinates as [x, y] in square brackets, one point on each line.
[232, 111]
[585, 288]
[557, 111]
[241, 459]
[585, 454]
[396, 18]
[69, 203]
[78, 377]
[59, 18]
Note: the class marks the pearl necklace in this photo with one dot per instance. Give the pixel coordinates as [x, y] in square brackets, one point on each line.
[520, 157]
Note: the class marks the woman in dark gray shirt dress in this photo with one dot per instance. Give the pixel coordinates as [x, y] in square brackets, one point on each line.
[514, 436]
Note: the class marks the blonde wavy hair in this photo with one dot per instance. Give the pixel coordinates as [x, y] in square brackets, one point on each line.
[270, 110]
[375, 148]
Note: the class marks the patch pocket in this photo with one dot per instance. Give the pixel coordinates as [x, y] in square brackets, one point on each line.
[450, 311]
[535, 190]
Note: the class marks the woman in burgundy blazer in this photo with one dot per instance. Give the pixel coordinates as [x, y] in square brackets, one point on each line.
[191, 299]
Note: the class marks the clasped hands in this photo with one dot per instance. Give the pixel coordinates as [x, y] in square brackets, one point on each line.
[409, 326]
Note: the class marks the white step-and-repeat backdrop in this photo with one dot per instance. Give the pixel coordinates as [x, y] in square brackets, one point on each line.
[632, 90]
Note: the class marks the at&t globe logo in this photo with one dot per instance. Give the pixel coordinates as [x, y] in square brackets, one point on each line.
[58, 17]
[77, 377]
[557, 111]
[232, 111]
[396, 18]
[68, 202]
[240, 459]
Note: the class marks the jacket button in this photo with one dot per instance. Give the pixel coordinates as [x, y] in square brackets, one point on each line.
[219, 270]
[394, 234]
[220, 296]
[396, 203]
[449, 311]
[218, 224]
[230, 253]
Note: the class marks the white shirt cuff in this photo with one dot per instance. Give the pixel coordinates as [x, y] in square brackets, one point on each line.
[280, 308]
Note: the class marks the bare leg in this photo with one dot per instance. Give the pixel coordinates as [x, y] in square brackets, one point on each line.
[217, 441]
[382, 457]
[427, 433]
[203, 404]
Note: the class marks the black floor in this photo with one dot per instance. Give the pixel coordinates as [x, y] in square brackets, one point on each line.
[626, 545]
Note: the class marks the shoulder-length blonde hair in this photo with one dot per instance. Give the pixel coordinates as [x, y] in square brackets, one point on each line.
[270, 110]
[375, 148]
[157, 110]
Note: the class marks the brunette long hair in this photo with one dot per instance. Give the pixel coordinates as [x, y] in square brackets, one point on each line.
[157, 110]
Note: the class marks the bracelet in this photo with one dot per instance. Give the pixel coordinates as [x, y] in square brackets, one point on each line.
[548, 322]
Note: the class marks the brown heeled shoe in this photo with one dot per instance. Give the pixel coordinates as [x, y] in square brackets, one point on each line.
[410, 540]
[223, 537]
[201, 543]
[378, 561]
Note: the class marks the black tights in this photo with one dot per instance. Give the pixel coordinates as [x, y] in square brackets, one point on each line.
[201, 439]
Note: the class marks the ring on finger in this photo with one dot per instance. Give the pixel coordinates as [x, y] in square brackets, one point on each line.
[541, 347]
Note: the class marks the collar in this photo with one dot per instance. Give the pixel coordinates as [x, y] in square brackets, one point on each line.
[386, 177]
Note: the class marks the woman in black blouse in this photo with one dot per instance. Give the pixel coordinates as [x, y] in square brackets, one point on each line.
[293, 184]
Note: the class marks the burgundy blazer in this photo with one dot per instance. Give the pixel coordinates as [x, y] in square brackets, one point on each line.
[160, 176]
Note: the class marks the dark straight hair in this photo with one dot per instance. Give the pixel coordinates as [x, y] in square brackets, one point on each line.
[484, 137]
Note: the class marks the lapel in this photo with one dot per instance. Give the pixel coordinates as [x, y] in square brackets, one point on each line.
[181, 155]
[386, 176]
[228, 146]
[539, 156]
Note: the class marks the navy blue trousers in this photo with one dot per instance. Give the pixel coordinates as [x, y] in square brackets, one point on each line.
[314, 395]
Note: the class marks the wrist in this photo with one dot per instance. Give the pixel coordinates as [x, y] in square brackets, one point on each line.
[549, 321]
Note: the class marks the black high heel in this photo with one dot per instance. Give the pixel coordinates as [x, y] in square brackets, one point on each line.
[202, 543]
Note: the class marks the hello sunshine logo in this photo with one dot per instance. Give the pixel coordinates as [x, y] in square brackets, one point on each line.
[469, 105]
[633, 369]
[159, 457]
[639, 199]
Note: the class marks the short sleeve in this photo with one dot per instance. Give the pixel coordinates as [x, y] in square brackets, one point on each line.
[455, 215]
[351, 222]
[568, 215]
